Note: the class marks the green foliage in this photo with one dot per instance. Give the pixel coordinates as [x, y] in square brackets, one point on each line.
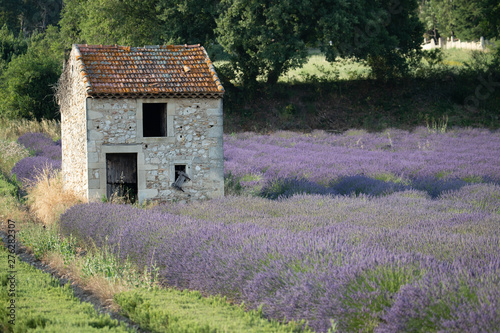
[10, 46]
[232, 185]
[264, 38]
[9, 13]
[29, 16]
[437, 17]
[28, 80]
[468, 20]
[188, 21]
[170, 310]
[104, 263]
[124, 22]
[381, 283]
[42, 304]
[386, 34]
[7, 188]
[43, 240]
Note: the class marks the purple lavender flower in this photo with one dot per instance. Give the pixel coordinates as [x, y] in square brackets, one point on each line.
[380, 232]
[400, 262]
[36, 142]
[29, 169]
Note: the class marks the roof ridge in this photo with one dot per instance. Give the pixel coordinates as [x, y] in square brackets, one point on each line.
[116, 46]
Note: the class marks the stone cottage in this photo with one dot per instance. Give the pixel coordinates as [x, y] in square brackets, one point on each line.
[142, 121]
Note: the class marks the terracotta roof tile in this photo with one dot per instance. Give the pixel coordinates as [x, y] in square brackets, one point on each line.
[159, 71]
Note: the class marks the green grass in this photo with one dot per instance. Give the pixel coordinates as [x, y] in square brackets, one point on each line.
[42, 304]
[458, 57]
[318, 67]
[7, 188]
[159, 310]
[345, 69]
[381, 284]
[171, 310]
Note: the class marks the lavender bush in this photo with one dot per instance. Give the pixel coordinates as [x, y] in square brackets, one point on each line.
[360, 162]
[387, 232]
[400, 262]
[47, 155]
[30, 168]
[36, 142]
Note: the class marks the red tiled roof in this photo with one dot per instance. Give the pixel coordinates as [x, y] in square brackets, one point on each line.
[150, 71]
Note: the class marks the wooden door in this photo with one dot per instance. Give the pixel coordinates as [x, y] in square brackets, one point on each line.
[121, 174]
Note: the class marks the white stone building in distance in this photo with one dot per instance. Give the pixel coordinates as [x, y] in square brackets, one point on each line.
[142, 121]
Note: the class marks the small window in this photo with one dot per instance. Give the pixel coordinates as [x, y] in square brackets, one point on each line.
[154, 119]
[180, 176]
[179, 169]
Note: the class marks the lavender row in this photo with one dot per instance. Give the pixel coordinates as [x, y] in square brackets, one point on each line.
[46, 156]
[398, 158]
[403, 262]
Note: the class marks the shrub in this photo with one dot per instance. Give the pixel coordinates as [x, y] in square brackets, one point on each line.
[36, 142]
[29, 169]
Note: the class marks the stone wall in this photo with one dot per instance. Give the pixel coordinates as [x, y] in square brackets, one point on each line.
[72, 96]
[194, 139]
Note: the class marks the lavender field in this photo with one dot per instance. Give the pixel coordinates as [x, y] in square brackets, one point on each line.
[360, 162]
[380, 232]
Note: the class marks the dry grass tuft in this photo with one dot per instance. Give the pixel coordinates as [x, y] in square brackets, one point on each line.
[10, 153]
[48, 200]
[103, 288]
[11, 209]
[12, 129]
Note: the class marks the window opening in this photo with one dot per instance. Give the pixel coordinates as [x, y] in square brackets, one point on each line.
[180, 176]
[154, 119]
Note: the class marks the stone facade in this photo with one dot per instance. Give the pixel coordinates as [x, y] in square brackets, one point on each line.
[94, 127]
[72, 99]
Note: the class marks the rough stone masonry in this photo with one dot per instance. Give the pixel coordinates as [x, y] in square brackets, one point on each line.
[95, 126]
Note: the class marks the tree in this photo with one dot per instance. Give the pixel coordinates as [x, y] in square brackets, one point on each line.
[386, 34]
[125, 22]
[491, 23]
[465, 19]
[188, 21]
[264, 37]
[29, 16]
[26, 84]
[10, 45]
[9, 14]
[476, 18]
[437, 17]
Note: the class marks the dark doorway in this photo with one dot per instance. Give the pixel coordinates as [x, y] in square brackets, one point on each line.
[121, 173]
[154, 119]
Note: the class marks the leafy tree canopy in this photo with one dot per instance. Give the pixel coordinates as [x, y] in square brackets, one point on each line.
[465, 19]
[188, 21]
[124, 22]
[26, 84]
[10, 45]
[29, 16]
[264, 37]
[386, 34]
